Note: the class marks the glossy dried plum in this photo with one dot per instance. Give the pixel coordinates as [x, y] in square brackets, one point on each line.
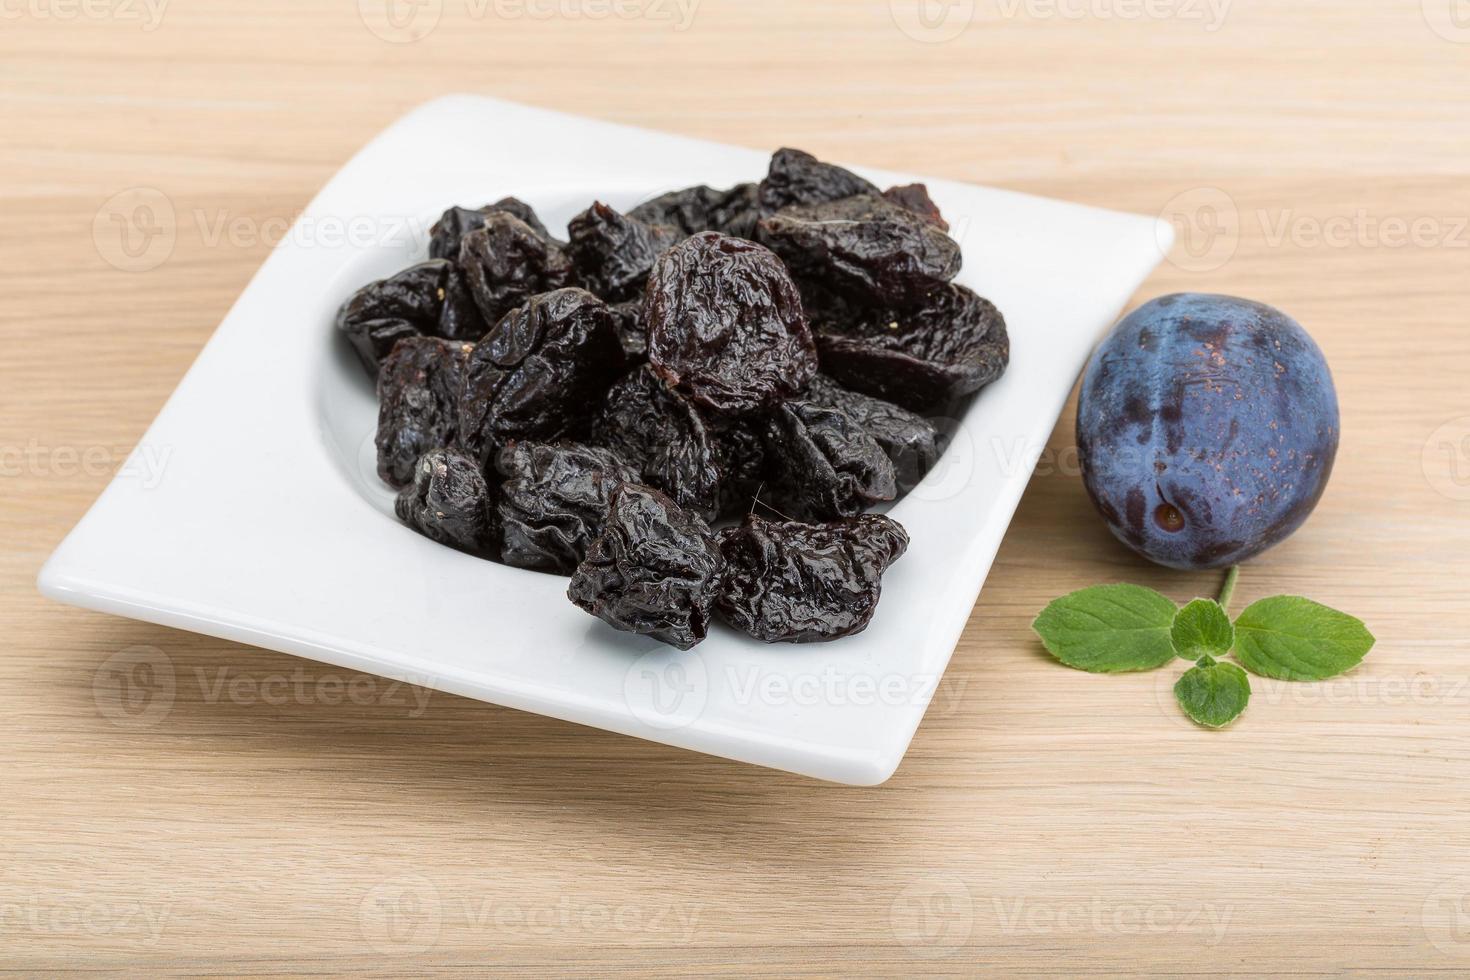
[863, 247]
[539, 373]
[520, 209]
[418, 397]
[449, 231]
[694, 209]
[744, 462]
[786, 582]
[613, 252]
[725, 325]
[632, 333]
[449, 502]
[910, 441]
[952, 345]
[506, 262]
[797, 177]
[679, 345]
[553, 502]
[660, 434]
[655, 569]
[429, 299]
[915, 198]
[827, 466]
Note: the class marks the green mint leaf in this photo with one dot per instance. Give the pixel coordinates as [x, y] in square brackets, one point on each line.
[1202, 628]
[1109, 629]
[1295, 639]
[1213, 694]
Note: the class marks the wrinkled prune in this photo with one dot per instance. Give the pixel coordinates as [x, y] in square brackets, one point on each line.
[915, 198]
[951, 345]
[863, 247]
[829, 466]
[725, 325]
[657, 432]
[659, 370]
[520, 209]
[654, 570]
[553, 501]
[911, 441]
[506, 262]
[613, 252]
[632, 333]
[418, 398]
[797, 177]
[539, 373]
[740, 446]
[702, 208]
[450, 229]
[428, 299]
[449, 501]
[786, 582]
[448, 232]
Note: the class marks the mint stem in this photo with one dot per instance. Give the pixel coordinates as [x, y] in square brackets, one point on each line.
[1228, 589]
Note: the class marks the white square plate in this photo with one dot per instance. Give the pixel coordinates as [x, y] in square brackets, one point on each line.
[268, 525]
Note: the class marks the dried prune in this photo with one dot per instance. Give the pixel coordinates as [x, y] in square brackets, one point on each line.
[449, 501]
[632, 333]
[786, 582]
[520, 209]
[725, 325]
[450, 229]
[654, 570]
[911, 441]
[660, 434]
[829, 466]
[506, 262]
[740, 447]
[915, 198]
[539, 373]
[418, 398]
[659, 370]
[694, 209]
[428, 299]
[553, 502]
[613, 252]
[797, 177]
[951, 345]
[863, 247]
[455, 223]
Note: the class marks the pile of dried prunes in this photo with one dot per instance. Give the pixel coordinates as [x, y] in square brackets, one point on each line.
[593, 407]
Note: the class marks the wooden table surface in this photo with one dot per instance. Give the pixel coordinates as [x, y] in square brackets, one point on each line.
[283, 816]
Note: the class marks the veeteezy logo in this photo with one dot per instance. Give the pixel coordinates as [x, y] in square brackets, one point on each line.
[1210, 14]
[1450, 19]
[136, 688]
[668, 689]
[932, 21]
[146, 13]
[406, 21]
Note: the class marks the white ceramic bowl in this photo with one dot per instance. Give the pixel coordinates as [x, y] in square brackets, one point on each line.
[252, 510]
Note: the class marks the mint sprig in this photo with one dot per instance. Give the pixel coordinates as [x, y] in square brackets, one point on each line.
[1109, 629]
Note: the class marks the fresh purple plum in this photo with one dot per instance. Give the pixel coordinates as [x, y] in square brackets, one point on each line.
[1206, 429]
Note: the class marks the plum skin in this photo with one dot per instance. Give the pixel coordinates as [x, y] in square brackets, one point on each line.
[1206, 429]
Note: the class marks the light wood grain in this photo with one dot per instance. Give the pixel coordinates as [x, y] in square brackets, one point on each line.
[1045, 822]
